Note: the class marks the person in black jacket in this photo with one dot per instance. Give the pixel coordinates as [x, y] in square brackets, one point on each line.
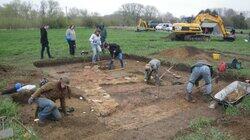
[44, 41]
[115, 52]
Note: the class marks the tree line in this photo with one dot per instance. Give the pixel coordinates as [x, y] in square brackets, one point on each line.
[18, 14]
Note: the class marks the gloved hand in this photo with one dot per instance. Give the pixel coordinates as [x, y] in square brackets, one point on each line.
[31, 100]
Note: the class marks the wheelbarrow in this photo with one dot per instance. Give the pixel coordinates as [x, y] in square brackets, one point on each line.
[240, 89]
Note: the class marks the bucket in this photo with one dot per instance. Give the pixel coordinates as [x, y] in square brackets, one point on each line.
[216, 56]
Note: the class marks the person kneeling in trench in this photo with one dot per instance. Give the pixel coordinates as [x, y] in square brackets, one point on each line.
[115, 53]
[46, 96]
[152, 69]
[200, 70]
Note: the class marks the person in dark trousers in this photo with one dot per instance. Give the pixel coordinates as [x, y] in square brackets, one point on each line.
[115, 52]
[103, 34]
[44, 41]
[71, 39]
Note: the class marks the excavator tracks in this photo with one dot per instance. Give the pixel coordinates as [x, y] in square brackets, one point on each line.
[189, 37]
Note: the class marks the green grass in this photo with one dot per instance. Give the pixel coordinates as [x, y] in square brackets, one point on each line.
[200, 122]
[22, 47]
[242, 108]
[206, 134]
[202, 129]
[10, 110]
[232, 111]
[245, 104]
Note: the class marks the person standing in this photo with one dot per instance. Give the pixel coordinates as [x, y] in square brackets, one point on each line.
[95, 42]
[200, 70]
[44, 41]
[103, 34]
[71, 39]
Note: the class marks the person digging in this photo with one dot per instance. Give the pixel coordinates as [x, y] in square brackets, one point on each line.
[202, 70]
[152, 70]
[115, 53]
[46, 96]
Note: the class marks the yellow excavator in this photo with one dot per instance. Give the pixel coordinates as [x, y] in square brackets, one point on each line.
[193, 31]
[142, 25]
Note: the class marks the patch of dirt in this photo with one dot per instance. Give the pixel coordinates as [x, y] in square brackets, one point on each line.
[119, 105]
[80, 124]
[4, 68]
[237, 126]
[186, 52]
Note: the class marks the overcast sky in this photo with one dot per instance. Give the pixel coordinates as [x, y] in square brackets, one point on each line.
[176, 7]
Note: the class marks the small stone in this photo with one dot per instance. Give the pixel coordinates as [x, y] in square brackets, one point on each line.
[97, 101]
[127, 78]
[87, 67]
[36, 120]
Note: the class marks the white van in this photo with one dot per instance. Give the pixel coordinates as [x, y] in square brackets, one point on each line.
[164, 26]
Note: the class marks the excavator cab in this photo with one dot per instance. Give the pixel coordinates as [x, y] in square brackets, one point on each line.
[188, 32]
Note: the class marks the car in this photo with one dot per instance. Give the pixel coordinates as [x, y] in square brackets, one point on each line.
[153, 23]
[164, 26]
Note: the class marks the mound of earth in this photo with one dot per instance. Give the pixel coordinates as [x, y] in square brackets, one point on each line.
[186, 52]
[5, 68]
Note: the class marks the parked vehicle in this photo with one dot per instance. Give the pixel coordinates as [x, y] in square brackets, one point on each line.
[164, 26]
[153, 23]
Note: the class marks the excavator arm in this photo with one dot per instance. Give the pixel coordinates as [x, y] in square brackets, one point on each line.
[214, 18]
[142, 23]
[193, 32]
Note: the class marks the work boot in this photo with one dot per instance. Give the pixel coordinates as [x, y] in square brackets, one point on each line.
[189, 98]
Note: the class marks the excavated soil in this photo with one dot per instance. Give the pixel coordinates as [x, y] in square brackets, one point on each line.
[186, 52]
[119, 105]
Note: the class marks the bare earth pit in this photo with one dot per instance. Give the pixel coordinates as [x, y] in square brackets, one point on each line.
[119, 105]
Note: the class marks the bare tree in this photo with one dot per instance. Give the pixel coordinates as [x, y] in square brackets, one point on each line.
[150, 12]
[54, 9]
[131, 12]
[168, 17]
[73, 13]
[43, 9]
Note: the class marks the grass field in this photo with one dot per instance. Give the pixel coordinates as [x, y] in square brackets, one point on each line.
[21, 47]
